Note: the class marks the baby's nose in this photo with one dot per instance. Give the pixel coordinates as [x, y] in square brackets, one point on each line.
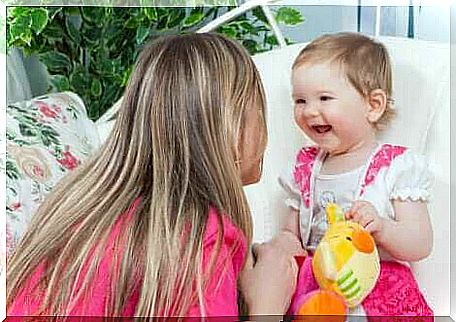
[311, 110]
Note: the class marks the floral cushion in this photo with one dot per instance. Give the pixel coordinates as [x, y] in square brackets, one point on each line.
[46, 137]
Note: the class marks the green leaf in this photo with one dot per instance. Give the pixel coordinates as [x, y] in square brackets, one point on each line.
[27, 130]
[288, 41]
[250, 45]
[91, 35]
[39, 19]
[12, 171]
[248, 27]
[60, 83]
[228, 31]
[80, 80]
[117, 66]
[289, 16]
[259, 14]
[142, 33]
[21, 29]
[9, 40]
[96, 88]
[72, 11]
[193, 19]
[94, 15]
[175, 18]
[18, 11]
[132, 22]
[94, 110]
[72, 31]
[53, 11]
[126, 75]
[49, 134]
[104, 66]
[55, 61]
[111, 93]
[54, 32]
[272, 40]
[151, 14]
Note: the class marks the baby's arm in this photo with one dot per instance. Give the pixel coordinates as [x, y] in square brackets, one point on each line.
[293, 201]
[291, 222]
[409, 237]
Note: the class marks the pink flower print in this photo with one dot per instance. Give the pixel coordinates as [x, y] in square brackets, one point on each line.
[15, 206]
[69, 161]
[382, 159]
[38, 171]
[31, 162]
[46, 110]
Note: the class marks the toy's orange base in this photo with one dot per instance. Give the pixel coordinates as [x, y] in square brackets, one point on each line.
[322, 306]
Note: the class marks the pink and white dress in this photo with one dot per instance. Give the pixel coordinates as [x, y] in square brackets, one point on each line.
[391, 173]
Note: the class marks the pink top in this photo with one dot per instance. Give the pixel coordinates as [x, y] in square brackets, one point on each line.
[218, 301]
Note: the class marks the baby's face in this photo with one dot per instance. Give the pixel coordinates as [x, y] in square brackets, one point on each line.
[328, 108]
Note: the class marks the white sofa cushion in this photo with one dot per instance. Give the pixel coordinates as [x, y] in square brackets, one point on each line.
[46, 137]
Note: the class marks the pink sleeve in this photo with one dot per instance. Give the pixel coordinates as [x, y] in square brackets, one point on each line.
[220, 295]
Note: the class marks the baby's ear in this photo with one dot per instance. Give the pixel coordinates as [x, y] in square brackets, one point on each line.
[377, 105]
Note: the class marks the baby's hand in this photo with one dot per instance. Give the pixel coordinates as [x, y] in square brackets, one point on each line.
[365, 214]
[289, 243]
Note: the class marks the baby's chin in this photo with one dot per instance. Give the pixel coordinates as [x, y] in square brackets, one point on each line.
[333, 149]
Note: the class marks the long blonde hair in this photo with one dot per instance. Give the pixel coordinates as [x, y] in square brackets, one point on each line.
[173, 146]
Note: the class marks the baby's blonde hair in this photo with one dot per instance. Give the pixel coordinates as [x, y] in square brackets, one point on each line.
[365, 62]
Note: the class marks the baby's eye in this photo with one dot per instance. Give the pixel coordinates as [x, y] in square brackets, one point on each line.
[300, 101]
[325, 98]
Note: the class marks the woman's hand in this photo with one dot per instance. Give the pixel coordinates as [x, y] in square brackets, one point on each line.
[268, 285]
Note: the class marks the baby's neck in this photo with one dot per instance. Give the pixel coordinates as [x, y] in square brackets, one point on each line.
[348, 160]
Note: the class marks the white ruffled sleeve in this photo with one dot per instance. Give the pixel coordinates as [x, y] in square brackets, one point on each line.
[286, 180]
[410, 178]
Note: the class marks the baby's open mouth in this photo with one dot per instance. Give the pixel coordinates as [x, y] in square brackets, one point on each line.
[321, 128]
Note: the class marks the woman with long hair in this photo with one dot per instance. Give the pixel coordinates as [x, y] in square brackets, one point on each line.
[157, 222]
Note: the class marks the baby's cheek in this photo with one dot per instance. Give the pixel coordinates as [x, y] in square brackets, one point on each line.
[300, 120]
